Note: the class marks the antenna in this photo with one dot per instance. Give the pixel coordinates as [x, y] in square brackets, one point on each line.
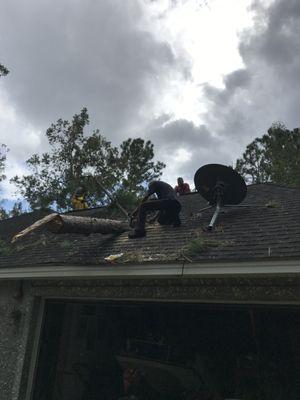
[221, 186]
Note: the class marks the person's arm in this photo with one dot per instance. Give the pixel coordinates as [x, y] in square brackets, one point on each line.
[145, 198]
[151, 190]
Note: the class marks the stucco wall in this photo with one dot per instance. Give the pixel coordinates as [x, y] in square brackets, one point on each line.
[15, 311]
[256, 289]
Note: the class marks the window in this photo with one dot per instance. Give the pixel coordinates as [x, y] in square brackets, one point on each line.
[113, 351]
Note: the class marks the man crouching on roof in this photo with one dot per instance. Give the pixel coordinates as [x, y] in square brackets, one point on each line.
[166, 203]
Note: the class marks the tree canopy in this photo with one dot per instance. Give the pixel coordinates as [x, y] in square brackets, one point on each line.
[275, 157]
[3, 70]
[75, 156]
[3, 152]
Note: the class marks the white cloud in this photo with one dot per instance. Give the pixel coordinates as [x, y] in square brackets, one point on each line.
[22, 140]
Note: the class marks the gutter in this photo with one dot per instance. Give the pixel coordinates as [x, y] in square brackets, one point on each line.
[131, 271]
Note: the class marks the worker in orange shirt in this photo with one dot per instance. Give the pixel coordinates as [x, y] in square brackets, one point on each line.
[182, 187]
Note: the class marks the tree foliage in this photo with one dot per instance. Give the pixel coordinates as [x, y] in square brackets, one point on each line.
[275, 157]
[74, 156]
[137, 165]
[3, 153]
[16, 210]
[3, 70]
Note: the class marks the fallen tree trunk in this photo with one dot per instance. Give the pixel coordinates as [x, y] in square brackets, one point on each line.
[85, 225]
[57, 223]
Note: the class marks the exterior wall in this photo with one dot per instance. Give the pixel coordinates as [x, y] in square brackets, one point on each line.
[256, 289]
[19, 309]
[15, 310]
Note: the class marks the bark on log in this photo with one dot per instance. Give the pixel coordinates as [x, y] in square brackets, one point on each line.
[57, 223]
[85, 225]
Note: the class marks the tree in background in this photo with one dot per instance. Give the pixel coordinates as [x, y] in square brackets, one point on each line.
[3, 152]
[3, 70]
[17, 209]
[74, 157]
[3, 149]
[55, 175]
[273, 158]
[136, 167]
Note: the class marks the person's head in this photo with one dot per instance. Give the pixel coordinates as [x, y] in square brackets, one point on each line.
[81, 190]
[180, 181]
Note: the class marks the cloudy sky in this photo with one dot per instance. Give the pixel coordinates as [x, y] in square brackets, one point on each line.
[200, 78]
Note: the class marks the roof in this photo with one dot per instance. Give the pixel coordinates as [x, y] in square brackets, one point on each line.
[267, 227]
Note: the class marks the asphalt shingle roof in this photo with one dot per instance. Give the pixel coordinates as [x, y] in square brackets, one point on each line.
[266, 227]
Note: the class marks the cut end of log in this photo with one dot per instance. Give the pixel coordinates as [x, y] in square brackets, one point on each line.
[57, 223]
[35, 226]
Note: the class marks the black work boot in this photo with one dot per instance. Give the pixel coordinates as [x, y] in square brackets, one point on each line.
[136, 233]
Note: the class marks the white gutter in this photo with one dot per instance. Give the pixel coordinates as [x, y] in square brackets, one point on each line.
[284, 267]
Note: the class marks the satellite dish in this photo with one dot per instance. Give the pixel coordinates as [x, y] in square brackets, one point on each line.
[212, 178]
[221, 186]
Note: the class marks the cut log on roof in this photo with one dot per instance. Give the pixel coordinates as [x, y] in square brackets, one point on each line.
[36, 225]
[85, 225]
[57, 223]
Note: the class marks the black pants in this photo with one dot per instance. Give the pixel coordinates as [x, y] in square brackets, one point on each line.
[169, 210]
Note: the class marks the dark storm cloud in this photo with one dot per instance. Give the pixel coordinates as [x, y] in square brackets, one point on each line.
[233, 82]
[69, 54]
[197, 141]
[237, 79]
[267, 89]
[181, 133]
[278, 43]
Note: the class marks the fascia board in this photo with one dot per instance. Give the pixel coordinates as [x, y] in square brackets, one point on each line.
[244, 268]
[282, 267]
[91, 271]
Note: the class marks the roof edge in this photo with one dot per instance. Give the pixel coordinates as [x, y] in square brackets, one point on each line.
[280, 185]
[131, 271]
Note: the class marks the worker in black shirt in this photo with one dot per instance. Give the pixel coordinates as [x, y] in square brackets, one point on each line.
[166, 203]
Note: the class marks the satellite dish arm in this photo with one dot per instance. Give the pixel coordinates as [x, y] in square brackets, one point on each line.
[215, 216]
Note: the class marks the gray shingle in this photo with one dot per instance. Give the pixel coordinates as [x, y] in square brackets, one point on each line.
[267, 228]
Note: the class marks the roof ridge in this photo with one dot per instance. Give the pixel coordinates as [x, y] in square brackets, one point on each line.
[274, 184]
